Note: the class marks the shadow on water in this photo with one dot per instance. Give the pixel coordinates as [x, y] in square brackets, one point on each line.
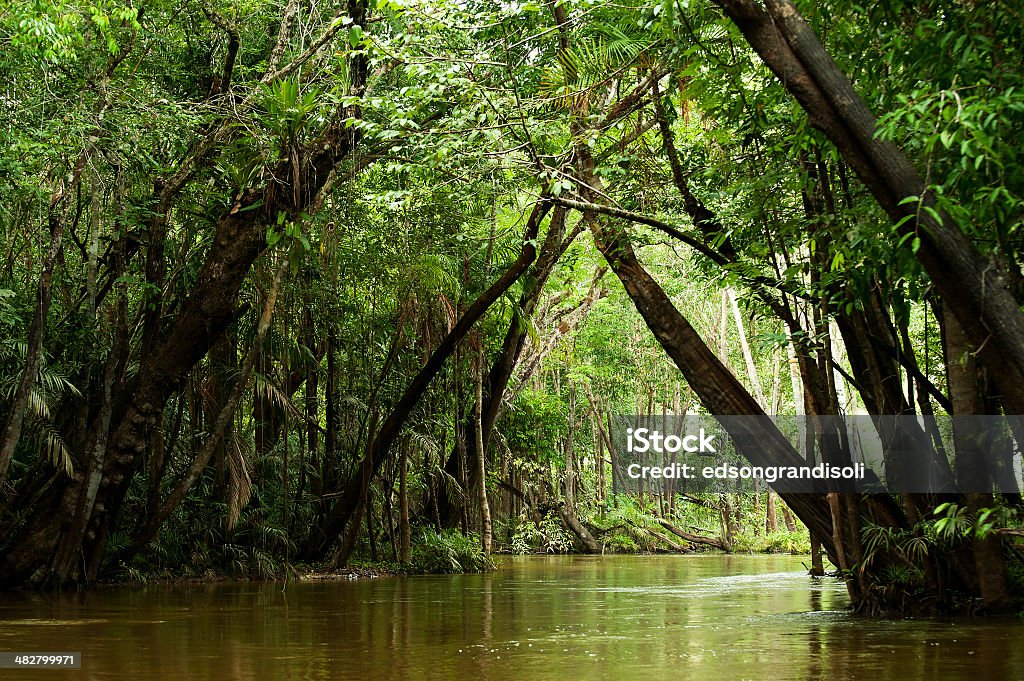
[618, 617]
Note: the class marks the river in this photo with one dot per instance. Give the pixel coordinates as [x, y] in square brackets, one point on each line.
[535, 618]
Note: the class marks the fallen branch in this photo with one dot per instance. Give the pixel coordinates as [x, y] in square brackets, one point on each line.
[692, 538]
[678, 548]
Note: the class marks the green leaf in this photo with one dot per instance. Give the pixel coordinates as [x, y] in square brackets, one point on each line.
[355, 35]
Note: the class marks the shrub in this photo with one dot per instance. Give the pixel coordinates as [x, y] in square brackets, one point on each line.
[549, 537]
[621, 542]
[448, 552]
[781, 541]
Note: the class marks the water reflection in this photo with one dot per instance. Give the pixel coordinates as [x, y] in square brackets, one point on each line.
[536, 618]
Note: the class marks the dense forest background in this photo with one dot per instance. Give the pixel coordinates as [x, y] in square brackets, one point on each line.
[292, 284]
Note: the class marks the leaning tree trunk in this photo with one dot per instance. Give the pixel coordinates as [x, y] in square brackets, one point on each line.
[352, 499]
[975, 289]
[715, 386]
[211, 305]
[216, 439]
[202, 319]
[501, 371]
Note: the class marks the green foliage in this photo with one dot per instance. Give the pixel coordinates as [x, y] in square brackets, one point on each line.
[289, 108]
[534, 423]
[621, 542]
[50, 389]
[448, 552]
[953, 522]
[780, 541]
[548, 537]
[56, 31]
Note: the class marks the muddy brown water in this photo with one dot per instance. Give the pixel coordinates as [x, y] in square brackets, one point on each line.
[535, 618]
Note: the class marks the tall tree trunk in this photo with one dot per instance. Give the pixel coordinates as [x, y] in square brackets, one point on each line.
[462, 464]
[715, 386]
[569, 454]
[968, 436]
[326, 478]
[787, 519]
[481, 458]
[66, 557]
[748, 356]
[817, 565]
[600, 491]
[403, 503]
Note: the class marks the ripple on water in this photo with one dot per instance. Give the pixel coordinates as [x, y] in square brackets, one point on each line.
[48, 623]
[706, 586]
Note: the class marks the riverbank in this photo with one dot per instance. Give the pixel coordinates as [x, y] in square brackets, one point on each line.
[296, 573]
[368, 569]
[622, 531]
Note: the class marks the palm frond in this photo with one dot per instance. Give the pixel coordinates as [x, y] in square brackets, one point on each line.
[590, 66]
[266, 387]
[55, 383]
[50, 443]
[352, 401]
[424, 442]
[238, 454]
[37, 404]
[431, 273]
[452, 489]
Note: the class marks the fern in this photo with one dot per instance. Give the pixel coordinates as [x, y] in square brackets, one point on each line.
[591, 65]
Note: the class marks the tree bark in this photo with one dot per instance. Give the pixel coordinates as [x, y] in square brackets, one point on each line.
[694, 538]
[403, 503]
[975, 290]
[968, 435]
[481, 459]
[227, 413]
[715, 386]
[586, 540]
